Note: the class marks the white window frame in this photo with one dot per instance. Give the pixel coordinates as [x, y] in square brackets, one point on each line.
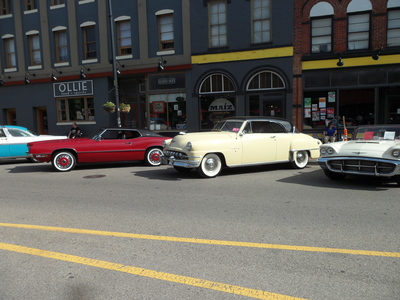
[393, 28]
[358, 31]
[218, 27]
[261, 21]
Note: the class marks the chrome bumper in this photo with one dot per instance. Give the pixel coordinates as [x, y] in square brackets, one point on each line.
[179, 162]
[361, 166]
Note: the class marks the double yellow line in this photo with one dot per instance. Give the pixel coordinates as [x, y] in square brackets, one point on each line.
[227, 288]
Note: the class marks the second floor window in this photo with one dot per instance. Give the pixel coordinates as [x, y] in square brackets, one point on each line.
[393, 32]
[218, 24]
[261, 21]
[61, 46]
[358, 31]
[11, 60]
[57, 2]
[5, 7]
[321, 35]
[89, 42]
[166, 31]
[30, 4]
[34, 50]
[124, 38]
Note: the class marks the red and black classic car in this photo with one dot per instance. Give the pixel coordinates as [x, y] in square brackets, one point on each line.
[104, 145]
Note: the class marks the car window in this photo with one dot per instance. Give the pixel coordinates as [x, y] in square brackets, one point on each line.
[231, 126]
[112, 135]
[266, 127]
[2, 134]
[277, 128]
[18, 133]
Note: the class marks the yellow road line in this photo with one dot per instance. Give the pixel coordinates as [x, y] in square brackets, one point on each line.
[204, 241]
[222, 287]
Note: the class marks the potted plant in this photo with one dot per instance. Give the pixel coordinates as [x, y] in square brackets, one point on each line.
[124, 107]
[109, 107]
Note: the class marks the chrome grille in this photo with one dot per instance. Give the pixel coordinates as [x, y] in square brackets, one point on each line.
[362, 166]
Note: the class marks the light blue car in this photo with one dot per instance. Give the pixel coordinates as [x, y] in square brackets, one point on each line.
[14, 140]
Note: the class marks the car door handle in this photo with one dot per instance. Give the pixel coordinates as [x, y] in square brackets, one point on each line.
[129, 143]
[273, 136]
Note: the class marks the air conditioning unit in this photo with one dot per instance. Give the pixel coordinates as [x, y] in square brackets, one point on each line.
[142, 88]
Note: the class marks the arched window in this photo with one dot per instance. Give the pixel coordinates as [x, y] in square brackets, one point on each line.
[321, 27]
[216, 83]
[265, 80]
[358, 28]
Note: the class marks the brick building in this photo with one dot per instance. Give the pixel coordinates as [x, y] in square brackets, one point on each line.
[346, 62]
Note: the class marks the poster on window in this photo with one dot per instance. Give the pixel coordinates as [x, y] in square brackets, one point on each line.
[331, 97]
[322, 102]
[314, 107]
[307, 112]
[315, 115]
[158, 107]
[330, 112]
[307, 102]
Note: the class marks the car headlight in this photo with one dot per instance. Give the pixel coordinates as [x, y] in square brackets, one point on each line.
[189, 146]
[396, 153]
[330, 150]
[322, 151]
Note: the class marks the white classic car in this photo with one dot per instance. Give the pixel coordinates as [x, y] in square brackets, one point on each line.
[374, 150]
[240, 141]
[14, 140]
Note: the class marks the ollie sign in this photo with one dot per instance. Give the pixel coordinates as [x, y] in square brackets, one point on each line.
[73, 88]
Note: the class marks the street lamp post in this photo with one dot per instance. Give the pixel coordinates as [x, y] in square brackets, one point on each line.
[114, 63]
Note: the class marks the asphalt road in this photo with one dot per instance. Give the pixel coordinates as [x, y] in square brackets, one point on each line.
[128, 231]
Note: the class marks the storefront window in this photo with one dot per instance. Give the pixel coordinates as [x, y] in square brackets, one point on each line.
[167, 111]
[354, 107]
[214, 109]
[76, 109]
[216, 100]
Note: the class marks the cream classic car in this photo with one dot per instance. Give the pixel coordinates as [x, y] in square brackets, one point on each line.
[373, 151]
[240, 141]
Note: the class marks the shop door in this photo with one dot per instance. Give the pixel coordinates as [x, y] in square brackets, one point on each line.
[270, 105]
[11, 117]
[392, 113]
[42, 122]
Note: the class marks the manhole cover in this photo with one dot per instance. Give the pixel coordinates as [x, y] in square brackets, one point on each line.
[94, 176]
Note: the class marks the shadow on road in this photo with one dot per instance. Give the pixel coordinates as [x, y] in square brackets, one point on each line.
[317, 179]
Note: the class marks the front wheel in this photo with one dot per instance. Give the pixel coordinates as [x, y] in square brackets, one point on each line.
[210, 166]
[63, 161]
[300, 159]
[153, 157]
[334, 175]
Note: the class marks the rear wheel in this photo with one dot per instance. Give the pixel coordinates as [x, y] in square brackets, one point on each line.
[63, 161]
[153, 157]
[334, 175]
[300, 159]
[210, 166]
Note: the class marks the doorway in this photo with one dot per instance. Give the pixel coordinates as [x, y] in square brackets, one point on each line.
[42, 121]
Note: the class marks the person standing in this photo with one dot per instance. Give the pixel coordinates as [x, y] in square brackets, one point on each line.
[330, 133]
[74, 132]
